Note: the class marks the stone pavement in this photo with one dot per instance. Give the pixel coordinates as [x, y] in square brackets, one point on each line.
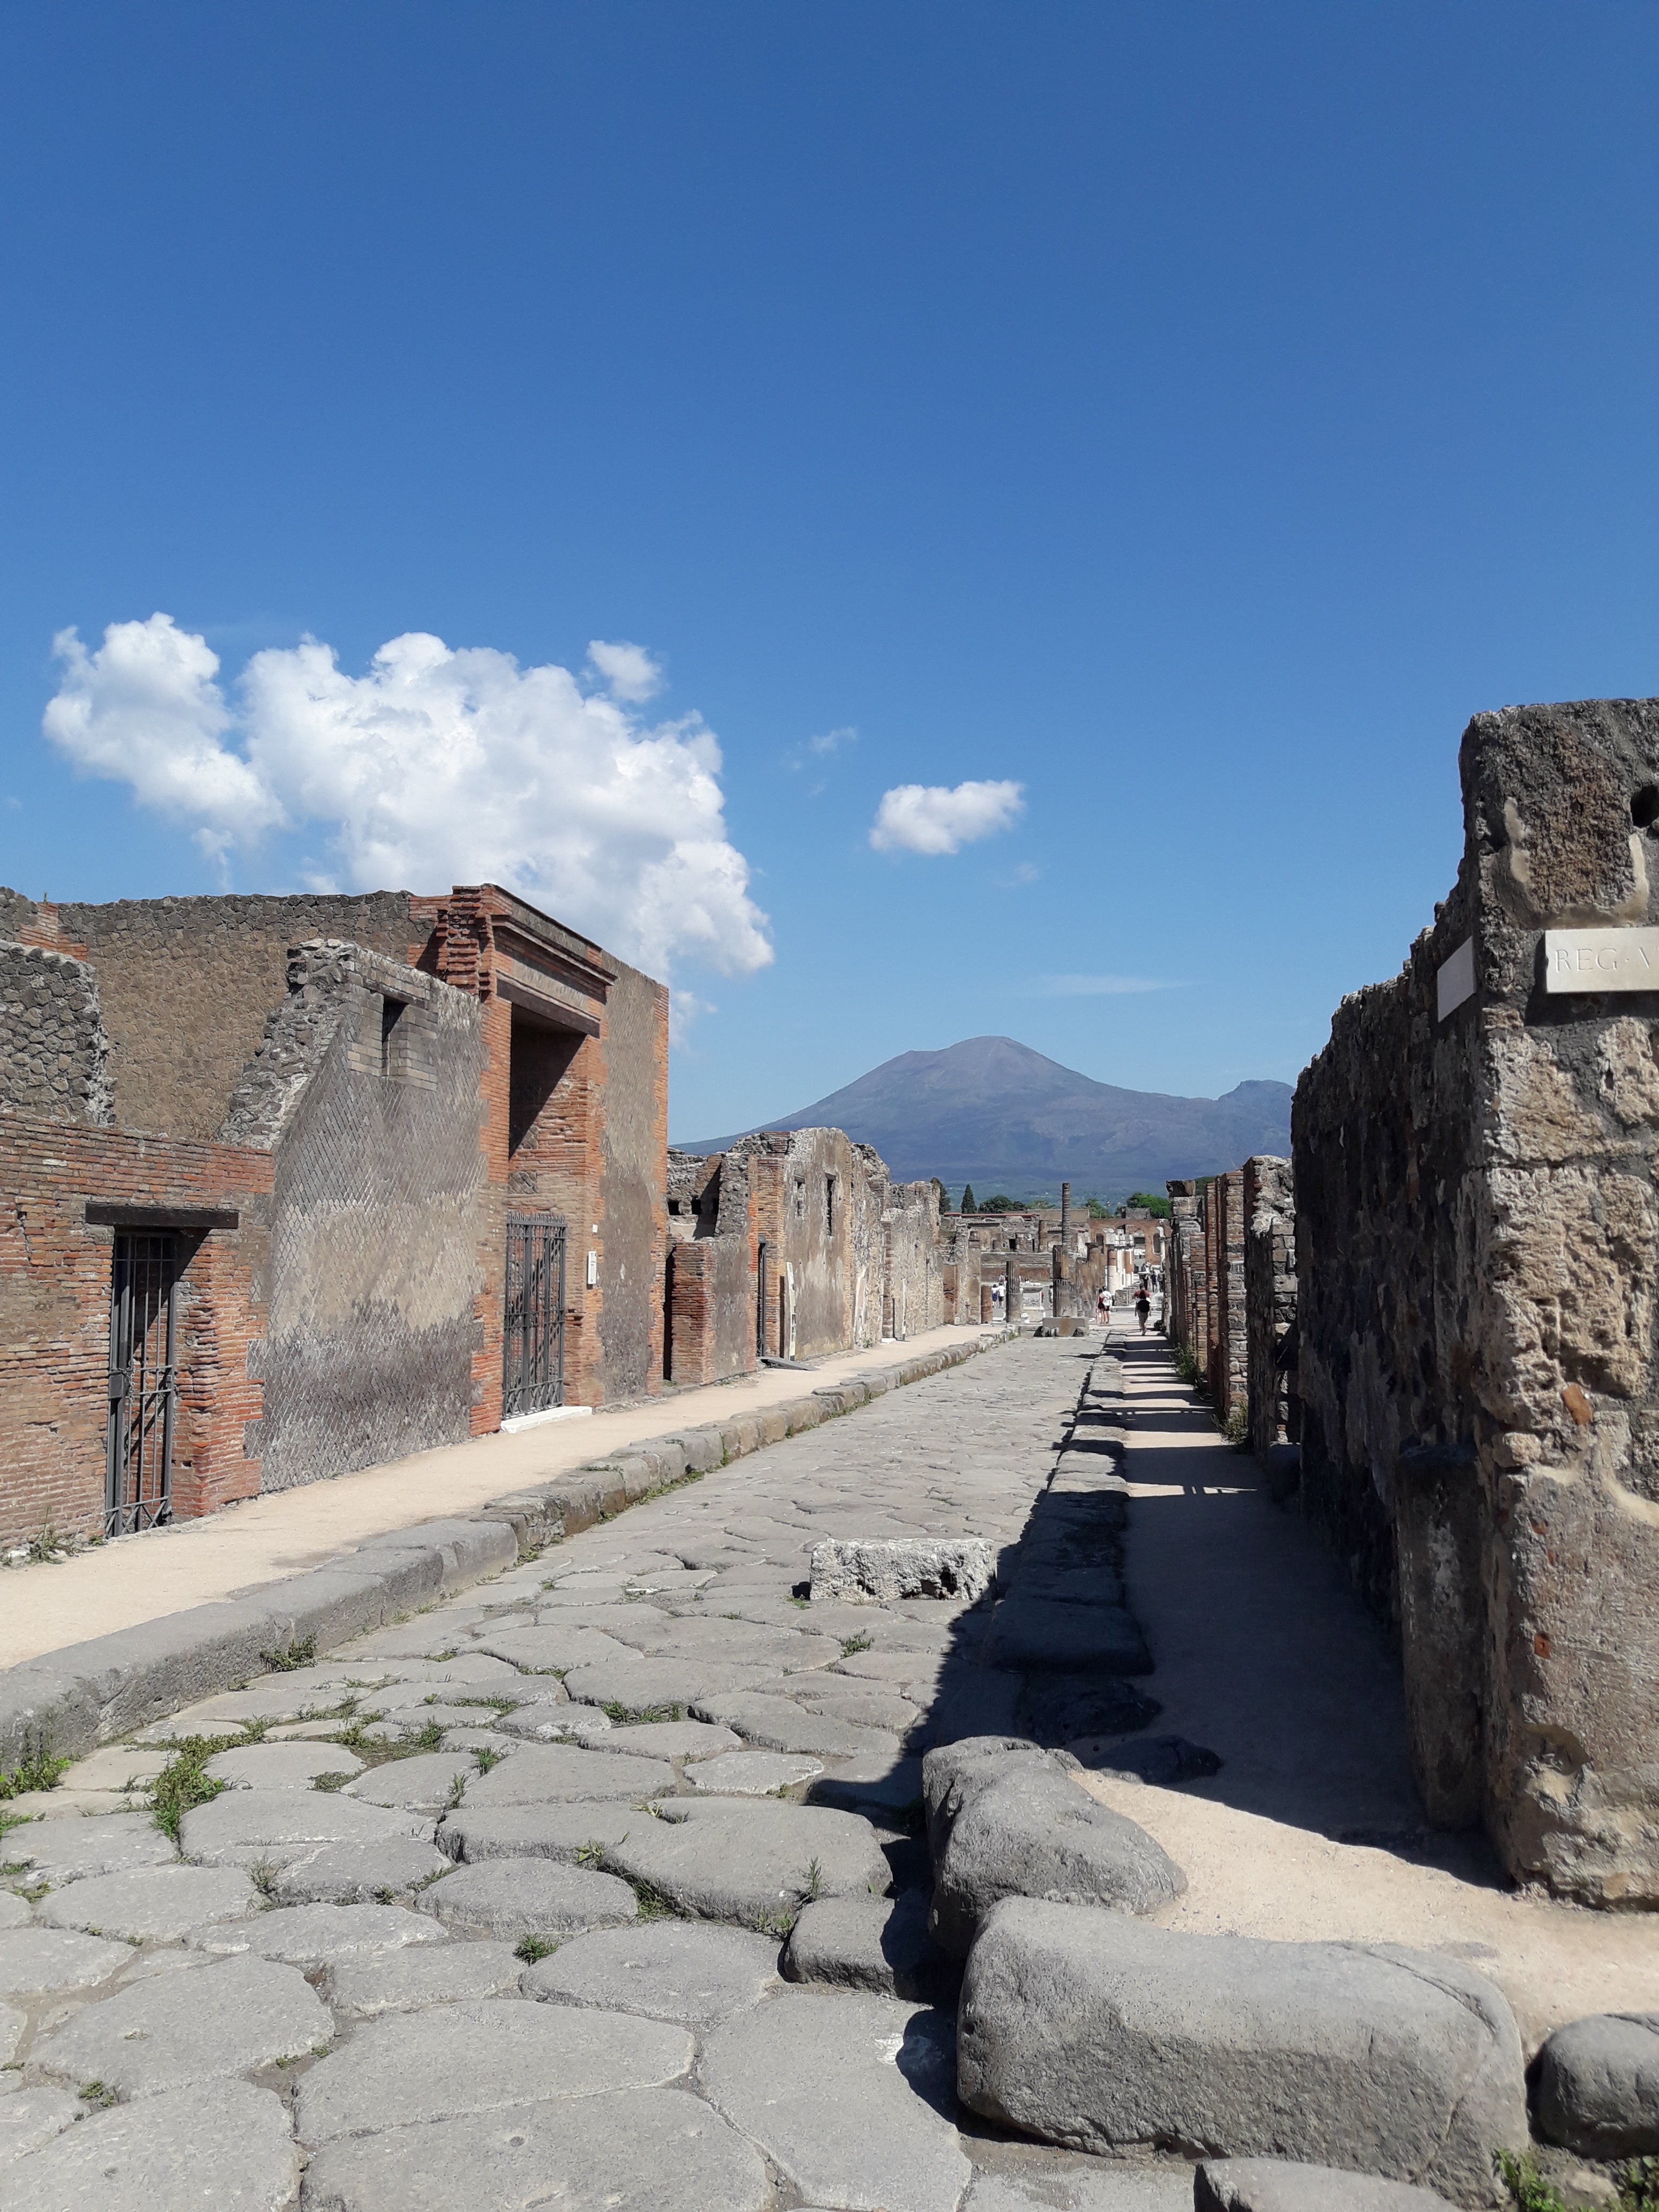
[634, 1916]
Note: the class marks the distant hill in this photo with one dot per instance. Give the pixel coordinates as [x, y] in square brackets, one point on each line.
[993, 1112]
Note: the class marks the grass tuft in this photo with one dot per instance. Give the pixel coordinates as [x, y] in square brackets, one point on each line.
[1528, 2190]
[849, 1644]
[183, 1783]
[298, 1651]
[36, 1770]
[531, 1947]
[653, 1905]
[621, 1716]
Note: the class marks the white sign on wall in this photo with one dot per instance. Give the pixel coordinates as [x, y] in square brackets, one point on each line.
[1601, 960]
[1454, 980]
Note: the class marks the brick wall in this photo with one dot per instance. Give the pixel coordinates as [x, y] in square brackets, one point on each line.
[56, 1059]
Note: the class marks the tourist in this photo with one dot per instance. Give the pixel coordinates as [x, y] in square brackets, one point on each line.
[1143, 1304]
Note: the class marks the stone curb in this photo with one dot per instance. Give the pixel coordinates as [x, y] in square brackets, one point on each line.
[73, 1700]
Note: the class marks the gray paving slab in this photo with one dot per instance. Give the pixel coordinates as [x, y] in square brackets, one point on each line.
[1058, 2181]
[687, 1970]
[366, 1986]
[391, 1867]
[794, 2071]
[36, 1960]
[14, 1910]
[68, 1851]
[153, 2156]
[181, 2029]
[553, 1723]
[755, 1862]
[244, 1828]
[779, 1724]
[491, 2056]
[550, 1774]
[281, 1765]
[662, 1688]
[318, 1935]
[547, 1650]
[151, 1904]
[676, 1740]
[30, 2117]
[508, 1898]
[115, 1767]
[659, 2148]
[876, 1943]
[753, 1773]
[425, 1783]
[552, 1832]
[861, 1707]
[12, 2025]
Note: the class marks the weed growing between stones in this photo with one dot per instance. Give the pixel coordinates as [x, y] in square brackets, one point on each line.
[95, 2094]
[184, 1782]
[1528, 2190]
[531, 1947]
[36, 1770]
[263, 1874]
[376, 1750]
[335, 1778]
[812, 1888]
[1638, 2185]
[653, 1904]
[591, 1853]
[1236, 1429]
[298, 1651]
[492, 1704]
[457, 1792]
[483, 1758]
[442, 1658]
[849, 1644]
[621, 1716]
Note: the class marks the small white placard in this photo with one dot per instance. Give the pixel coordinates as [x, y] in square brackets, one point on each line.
[1601, 960]
[518, 1421]
[1454, 980]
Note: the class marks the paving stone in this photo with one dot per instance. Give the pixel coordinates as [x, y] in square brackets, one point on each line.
[547, 1774]
[900, 1668]
[752, 1861]
[881, 1784]
[485, 2057]
[479, 1669]
[151, 2157]
[685, 1971]
[151, 1904]
[1054, 2181]
[281, 1765]
[962, 1567]
[165, 1961]
[29, 2117]
[794, 2072]
[1598, 2085]
[34, 1960]
[665, 1687]
[753, 1773]
[689, 1740]
[778, 1723]
[543, 1650]
[1005, 1820]
[12, 2024]
[1092, 2029]
[318, 1935]
[115, 1767]
[523, 1832]
[876, 1943]
[303, 1694]
[1276, 2184]
[863, 1708]
[431, 1974]
[659, 2148]
[246, 1827]
[184, 2028]
[14, 1910]
[1032, 1633]
[560, 1724]
[507, 1898]
[68, 1851]
[743, 1643]
[362, 1872]
[424, 1783]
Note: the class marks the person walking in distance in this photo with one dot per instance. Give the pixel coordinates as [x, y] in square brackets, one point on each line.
[1143, 1304]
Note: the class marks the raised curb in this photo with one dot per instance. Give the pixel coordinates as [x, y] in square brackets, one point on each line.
[74, 1698]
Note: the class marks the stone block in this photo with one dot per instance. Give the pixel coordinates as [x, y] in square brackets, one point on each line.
[878, 1572]
[875, 1944]
[1275, 2184]
[1597, 2085]
[150, 2156]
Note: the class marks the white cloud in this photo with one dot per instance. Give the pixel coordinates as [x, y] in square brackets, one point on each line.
[1099, 987]
[831, 741]
[628, 670]
[436, 767]
[683, 1009]
[933, 818]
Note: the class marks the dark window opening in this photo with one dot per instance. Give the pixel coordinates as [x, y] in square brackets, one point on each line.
[830, 1204]
[391, 1013]
[541, 1059]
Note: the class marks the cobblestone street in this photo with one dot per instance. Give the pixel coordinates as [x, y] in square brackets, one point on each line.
[602, 1885]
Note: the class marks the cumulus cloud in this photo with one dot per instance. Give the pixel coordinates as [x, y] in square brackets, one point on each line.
[936, 817]
[628, 672]
[436, 767]
[1096, 987]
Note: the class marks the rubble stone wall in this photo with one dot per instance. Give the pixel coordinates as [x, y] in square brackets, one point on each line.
[57, 1056]
[1269, 1300]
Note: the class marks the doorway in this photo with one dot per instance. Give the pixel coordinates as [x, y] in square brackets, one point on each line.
[532, 1353]
[144, 1386]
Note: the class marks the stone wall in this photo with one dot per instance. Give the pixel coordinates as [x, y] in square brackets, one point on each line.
[1229, 1371]
[57, 1056]
[1269, 1302]
[1477, 1248]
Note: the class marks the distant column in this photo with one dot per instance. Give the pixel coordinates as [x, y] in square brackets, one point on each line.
[1013, 1298]
[1066, 1217]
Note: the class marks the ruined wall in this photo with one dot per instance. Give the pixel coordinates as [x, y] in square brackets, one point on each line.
[54, 1052]
[916, 1269]
[1229, 1352]
[633, 1196]
[55, 1280]
[372, 1275]
[1477, 1247]
[1269, 1300]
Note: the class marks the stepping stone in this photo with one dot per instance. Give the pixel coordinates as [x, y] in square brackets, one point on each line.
[547, 1774]
[794, 2072]
[151, 1904]
[685, 1971]
[1598, 2085]
[875, 1944]
[1093, 2029]
[492, 2056]
[30, 2117]
[669, 1738]
[151, 2157]
[778, 1723]
[751, 1861]
[319, 1935]
[281, 1765]
[753, 1773]
[246, 1827]
[659, 2148]
[962, 1568]
[1275, 2184]
[507, 1898]
[425, 1783]
[178, 2029]
[547, 1650]
[1005, 1820]
[432, 1974]
[360, 1873]
[68, 1850]
[36, 1960]
[529, 1832]
[645, 1685]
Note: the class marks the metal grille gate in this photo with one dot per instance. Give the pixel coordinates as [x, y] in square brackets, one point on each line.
[143, 1387]
[533, 1375]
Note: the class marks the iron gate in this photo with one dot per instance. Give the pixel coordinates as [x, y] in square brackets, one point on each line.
[533, 1375]
[143, 1387]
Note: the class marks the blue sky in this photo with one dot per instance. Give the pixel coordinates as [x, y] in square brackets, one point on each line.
[1191, 414]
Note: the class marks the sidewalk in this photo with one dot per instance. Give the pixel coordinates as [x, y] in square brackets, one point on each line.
[240, 1549]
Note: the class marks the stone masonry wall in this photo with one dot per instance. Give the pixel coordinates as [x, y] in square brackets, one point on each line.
[1478, 1255]
[54, 1053]
[1269, 1300]
[1229, 1353]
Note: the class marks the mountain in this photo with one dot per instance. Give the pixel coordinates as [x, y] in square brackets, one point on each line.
[993, 1112]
